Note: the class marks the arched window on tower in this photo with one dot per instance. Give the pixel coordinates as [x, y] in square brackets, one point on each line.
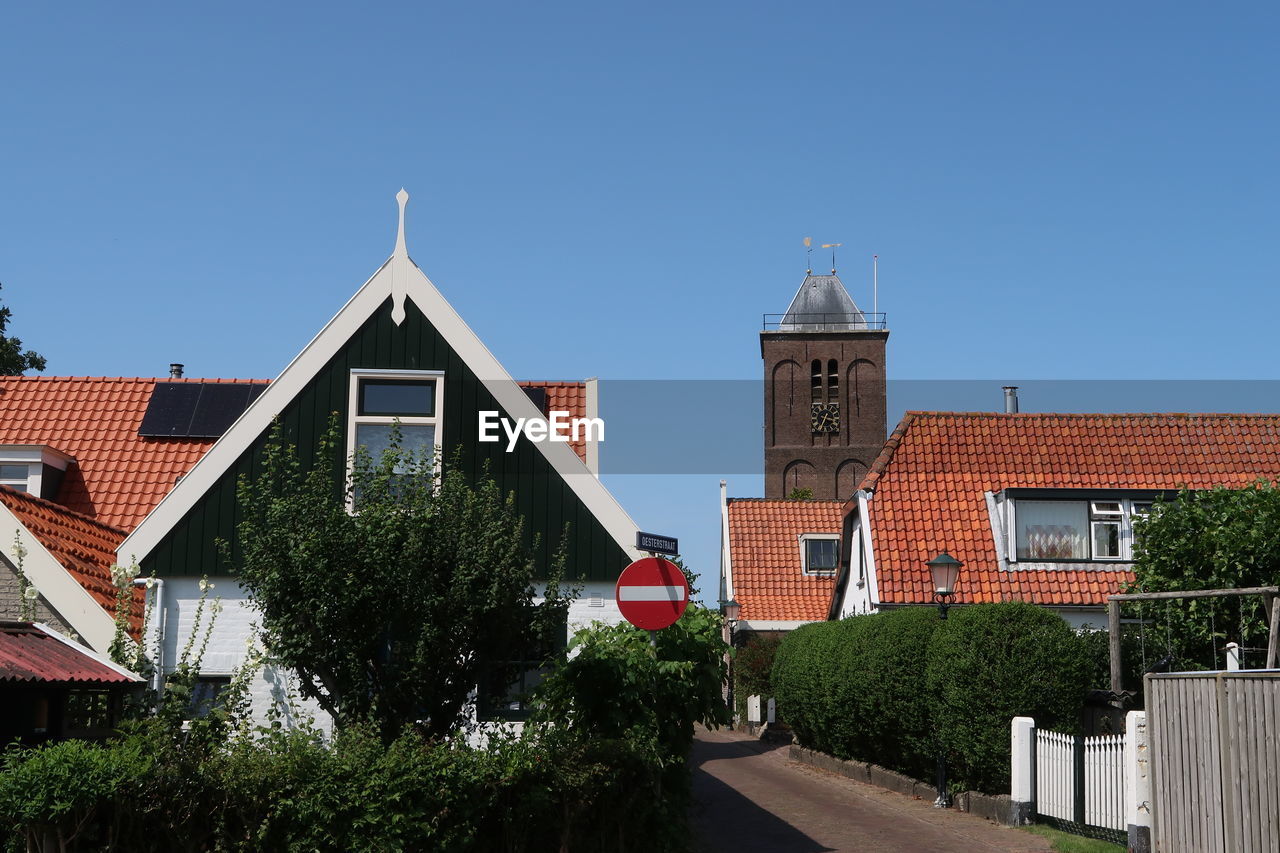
[816, 383]
[833, 382]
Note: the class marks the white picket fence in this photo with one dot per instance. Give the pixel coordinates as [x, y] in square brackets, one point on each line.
[1095, 800]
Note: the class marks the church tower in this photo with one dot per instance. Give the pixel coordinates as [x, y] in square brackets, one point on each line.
[824, 392]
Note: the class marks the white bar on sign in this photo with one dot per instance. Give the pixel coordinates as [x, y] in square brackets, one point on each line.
[651, 593]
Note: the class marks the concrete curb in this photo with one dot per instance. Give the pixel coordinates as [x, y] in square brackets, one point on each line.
[994, 807]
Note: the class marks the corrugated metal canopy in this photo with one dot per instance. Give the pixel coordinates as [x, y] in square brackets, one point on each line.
[30, 653]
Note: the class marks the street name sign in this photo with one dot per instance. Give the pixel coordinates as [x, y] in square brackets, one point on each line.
[657, 544]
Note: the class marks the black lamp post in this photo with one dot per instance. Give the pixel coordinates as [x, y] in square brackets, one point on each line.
[945, 569]
[730, 610]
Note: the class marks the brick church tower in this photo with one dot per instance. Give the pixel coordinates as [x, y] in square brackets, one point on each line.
[824, 392]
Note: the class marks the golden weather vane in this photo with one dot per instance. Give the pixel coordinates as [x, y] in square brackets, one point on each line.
[832, 247]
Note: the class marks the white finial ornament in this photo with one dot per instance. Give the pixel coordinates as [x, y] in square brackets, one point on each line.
[398, 271]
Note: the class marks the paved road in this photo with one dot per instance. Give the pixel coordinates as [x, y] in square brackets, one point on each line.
[750, 797]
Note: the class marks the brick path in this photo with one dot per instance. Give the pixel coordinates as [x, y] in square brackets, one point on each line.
[750, 797]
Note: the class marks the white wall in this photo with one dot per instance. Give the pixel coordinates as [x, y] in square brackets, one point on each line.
[235, 625]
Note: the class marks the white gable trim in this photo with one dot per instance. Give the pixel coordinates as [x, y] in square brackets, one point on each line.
[864, 521]
[57, 586]
[399, 277]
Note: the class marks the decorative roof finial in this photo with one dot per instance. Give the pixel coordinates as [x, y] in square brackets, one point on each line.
[402, 198]
[399, 274]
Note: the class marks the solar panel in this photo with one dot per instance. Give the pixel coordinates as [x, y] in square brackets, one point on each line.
[539, 397]
[196, 409]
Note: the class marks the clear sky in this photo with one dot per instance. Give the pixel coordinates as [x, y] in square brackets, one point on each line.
[1056, 191]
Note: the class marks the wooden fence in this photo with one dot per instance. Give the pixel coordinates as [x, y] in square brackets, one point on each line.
[1215, 759]
[1080, 781]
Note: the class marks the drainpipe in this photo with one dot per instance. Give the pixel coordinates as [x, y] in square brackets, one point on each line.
[157, 607]
[1010, 399]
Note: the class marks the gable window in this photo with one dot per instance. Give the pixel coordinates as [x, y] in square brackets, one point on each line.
[383, 402]
[1065, 530]
[819, 553]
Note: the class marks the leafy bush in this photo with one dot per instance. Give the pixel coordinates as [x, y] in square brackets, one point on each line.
[895, 688]
[993, 662]
[631, 714]
[753, 668]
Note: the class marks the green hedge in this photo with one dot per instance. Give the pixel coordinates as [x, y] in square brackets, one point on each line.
[895, 688]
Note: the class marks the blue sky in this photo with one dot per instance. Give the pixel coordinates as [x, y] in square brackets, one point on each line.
[1056, 191]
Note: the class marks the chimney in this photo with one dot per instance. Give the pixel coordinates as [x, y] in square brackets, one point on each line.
[1010, 399]
[175, 371]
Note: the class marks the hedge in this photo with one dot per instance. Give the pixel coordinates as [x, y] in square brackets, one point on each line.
[895, 688]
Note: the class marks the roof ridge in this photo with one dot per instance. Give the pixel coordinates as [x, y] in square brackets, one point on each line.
[132, 379]
[54, 505]
[786, 500]
[881, 463]
[924, 413]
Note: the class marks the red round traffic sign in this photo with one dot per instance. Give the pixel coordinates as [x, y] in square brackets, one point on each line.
[652, 593]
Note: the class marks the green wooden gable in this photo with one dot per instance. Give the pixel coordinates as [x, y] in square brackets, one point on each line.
[542, 495]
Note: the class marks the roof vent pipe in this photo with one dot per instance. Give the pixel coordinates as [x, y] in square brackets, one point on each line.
[175, 371]
[1010, 399]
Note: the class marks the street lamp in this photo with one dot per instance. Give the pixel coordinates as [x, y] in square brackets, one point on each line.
[730, 609]
[945, 569]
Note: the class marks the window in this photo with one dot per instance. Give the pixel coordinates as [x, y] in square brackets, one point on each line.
[14, 476]
[207, 694]
[1056, 530]
[500, 699]
[815, 381]
[819, 553]
[382, 402]
[833, 382]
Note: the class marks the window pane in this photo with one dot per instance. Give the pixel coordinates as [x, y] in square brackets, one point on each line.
[376, 438]
[820, 554]
[1052, 530]
[1106, 508]
[13, 472]
[409, 397]
[1106, 539]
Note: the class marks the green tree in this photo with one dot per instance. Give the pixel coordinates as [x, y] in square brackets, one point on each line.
[1210, 539]
[14, 360]
[394, 613]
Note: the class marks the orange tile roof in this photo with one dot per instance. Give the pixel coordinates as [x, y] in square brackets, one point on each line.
[568, 397]
[768, 578]
[930, 481]
[119, 476]
[84, 546]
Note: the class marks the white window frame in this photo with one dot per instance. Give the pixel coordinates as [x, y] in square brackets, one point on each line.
[804, 553]
[21, 484]
[354, 418]
[1124, 517]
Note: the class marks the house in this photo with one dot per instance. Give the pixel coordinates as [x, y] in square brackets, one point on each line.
[147, 469]
[824, 424]
[1038, 507]
[779, 560]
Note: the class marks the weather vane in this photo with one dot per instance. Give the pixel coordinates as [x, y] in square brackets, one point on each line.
[832, 247]
[808, 255]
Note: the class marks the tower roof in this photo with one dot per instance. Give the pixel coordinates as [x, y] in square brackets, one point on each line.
[822, 304]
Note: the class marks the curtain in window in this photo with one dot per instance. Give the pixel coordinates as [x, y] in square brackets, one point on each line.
[1052, 530]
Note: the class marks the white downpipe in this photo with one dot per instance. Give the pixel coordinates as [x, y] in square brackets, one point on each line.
[157, 648]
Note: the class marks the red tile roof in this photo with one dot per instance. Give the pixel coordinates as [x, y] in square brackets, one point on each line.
[930, 481]
[119, 476]
[568, 397]
[768, 577]
[84, 546]
[29, 654]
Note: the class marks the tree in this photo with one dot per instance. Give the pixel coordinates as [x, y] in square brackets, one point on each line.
[395, 612]
[14, 361]
[1210, 539]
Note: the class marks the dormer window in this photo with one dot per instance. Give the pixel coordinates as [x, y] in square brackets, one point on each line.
[33, 468]
[1055, 530]
[15, 476]
[819, 553]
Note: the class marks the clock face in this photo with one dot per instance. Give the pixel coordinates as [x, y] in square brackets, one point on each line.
[825, 417]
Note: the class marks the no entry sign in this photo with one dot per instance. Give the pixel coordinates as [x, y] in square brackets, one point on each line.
[652, 593]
